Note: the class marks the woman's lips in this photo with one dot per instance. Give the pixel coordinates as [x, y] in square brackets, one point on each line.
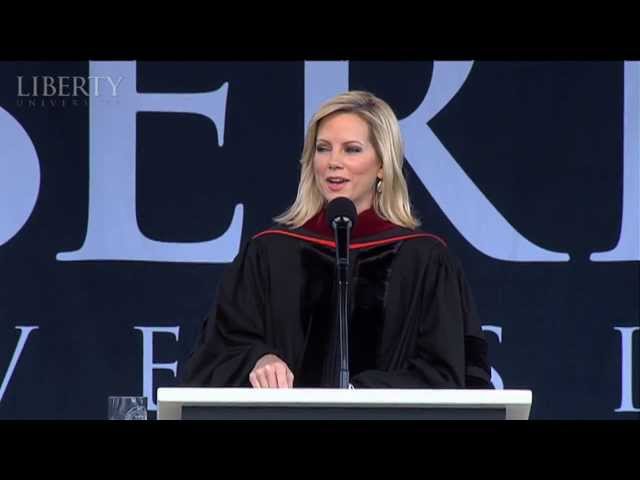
[337, 186]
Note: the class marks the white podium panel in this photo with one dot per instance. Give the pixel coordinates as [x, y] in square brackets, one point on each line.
[341, 404]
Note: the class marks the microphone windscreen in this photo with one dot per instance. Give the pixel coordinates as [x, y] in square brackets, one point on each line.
[341, 207]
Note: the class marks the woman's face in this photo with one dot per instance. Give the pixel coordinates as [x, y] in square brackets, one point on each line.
[345, 162]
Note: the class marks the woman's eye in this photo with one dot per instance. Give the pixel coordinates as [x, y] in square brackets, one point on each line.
[354, 149]
[321, 148]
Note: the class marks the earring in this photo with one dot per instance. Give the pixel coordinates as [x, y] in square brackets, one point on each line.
[379, 185]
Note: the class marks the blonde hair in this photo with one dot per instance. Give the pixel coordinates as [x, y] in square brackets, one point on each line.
[392, 203]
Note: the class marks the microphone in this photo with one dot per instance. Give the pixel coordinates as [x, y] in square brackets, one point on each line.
[342, 217]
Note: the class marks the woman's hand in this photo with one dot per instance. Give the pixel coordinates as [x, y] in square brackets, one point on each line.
[271, 372]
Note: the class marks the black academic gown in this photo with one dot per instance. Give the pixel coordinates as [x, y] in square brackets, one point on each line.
[413, 319]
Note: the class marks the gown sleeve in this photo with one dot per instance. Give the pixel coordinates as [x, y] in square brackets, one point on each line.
[232, 338]
[450, 350]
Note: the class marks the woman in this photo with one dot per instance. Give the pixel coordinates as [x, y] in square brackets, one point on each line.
[413, 321]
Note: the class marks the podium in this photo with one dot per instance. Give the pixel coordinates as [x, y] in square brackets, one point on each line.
[341, 404]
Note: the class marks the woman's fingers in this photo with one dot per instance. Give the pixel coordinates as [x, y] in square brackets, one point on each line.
[281, 375]
[271, 372]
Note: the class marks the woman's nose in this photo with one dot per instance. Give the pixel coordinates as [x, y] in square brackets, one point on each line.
[335, 162]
